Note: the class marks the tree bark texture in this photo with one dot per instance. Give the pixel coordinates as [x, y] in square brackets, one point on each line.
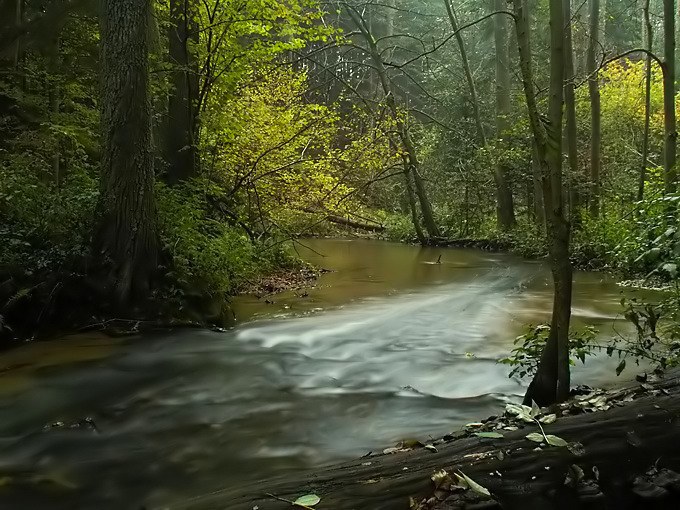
[126, 240]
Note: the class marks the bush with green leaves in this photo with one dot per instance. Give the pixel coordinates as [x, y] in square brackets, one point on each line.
[656, 340]
[45, 226]
[525, 357]
[211, 254]
[398, 227]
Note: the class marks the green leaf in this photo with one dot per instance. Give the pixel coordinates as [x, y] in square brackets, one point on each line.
[307, 500]
[536, 437]
[489, 435]
[548, 418]
[555, 441]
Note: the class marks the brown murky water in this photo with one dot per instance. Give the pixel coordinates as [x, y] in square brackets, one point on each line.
[390, 345]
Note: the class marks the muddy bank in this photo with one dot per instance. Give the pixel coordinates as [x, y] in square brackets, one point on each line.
[283, 280]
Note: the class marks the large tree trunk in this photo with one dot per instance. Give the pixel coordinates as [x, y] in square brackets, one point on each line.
[505, 208]
[595, 109]
[552, 379]
[411, 160]
[648, 40]
[671, 135]
[570, 107]
[126, 241]
[182, 134]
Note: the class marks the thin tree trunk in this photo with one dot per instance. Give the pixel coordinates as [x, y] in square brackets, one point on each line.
[472, 89]
[18, 20]
[552, 380]
[505, 208]
[536, 179]
[413, 207]
[54, 100]
[648, 39]
[126, 242]
[402, 129]
[595, 109]
[570, 109]
[671, 135]
[182, 135]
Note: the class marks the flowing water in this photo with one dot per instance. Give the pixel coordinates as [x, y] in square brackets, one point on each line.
[389, 345]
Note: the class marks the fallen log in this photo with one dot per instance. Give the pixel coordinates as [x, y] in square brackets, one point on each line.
[628, 457]
[493, 245]
[347, 222]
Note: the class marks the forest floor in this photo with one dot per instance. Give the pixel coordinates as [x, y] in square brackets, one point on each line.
[282, 280]
[614, 449]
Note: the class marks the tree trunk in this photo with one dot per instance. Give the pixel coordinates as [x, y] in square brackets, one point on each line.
[570, 107]
[402, 129]
[53, 83]
[472, 89]
[648, 40]
[413, 207]
[126, 240]
[552, 379]
[671, 135]
[505, 209]
[595, 109]
[182, 135]
[536, 179]
[18, 20]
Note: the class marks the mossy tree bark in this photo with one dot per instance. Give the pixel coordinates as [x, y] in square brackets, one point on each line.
[126, 243]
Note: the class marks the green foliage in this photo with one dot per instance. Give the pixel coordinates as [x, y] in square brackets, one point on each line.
[657, 327]
[399, 227]
[46, 226]
[209, 255]
[525, 357]
[656, 340]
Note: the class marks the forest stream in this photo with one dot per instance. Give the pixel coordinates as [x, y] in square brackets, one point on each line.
[388, 345]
